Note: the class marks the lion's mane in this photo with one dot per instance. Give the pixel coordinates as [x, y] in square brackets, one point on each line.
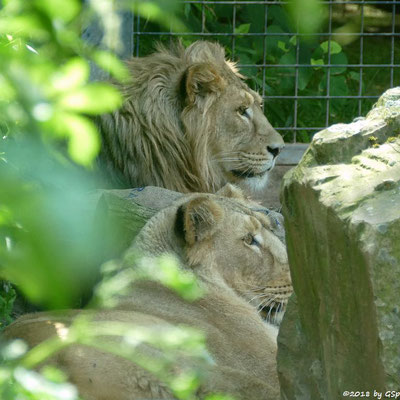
[163, 134]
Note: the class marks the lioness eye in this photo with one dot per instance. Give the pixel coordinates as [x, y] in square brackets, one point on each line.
[251, 240]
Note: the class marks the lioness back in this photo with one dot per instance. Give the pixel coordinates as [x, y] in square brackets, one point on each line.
[188, 123]
[242, 267]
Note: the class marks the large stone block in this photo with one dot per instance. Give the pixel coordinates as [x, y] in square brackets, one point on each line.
[342, 215]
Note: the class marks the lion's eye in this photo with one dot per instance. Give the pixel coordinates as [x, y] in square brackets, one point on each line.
[245, 112]
[251, 240]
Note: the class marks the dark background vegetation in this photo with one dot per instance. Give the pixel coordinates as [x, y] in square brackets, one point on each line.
[247, 47]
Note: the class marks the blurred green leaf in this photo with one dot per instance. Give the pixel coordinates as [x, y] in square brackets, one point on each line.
[59, 9]
[53, 374]
[307, 15]
[110, 63]
[7, 298]
[243, 28]
[282, 46]
[334, 47]
[354, 75]
[26, 26]
[156, 12]
[317, 62]
[338, 86]
[35, 383]
[304, 77]
[72, 75]
[95, 98]
[84, 142]
[339, 58]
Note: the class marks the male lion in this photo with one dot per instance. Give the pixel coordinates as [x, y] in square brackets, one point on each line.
[188, 123]
[241, 266]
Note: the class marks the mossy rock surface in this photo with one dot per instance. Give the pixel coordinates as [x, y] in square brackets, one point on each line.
[342, 216]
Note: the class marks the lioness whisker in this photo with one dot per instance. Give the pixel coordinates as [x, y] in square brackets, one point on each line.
[258, 296]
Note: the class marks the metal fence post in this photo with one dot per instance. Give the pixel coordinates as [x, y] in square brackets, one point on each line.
[94, 34]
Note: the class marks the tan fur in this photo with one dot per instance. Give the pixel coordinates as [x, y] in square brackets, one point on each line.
[181, 127]
[209, 235]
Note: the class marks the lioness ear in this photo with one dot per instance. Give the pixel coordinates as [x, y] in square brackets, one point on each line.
[198, 219]
[201, 79]
[232, 192]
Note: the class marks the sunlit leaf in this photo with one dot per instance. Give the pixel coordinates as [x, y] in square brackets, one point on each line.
[53, 374]
[185, 384]
[14, 349]
[95, 98]
[243, 28]
[72, 75]
[282, 46]
[36, 383]
[155, 12]
[110, 63]
[84, 142]
[166, 269]
[307, 15]
[317, 63]
[7, 92]
[59, 9]
[24, 26]
[334, 46]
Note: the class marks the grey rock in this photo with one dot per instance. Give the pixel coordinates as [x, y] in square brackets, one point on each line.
[342, 217]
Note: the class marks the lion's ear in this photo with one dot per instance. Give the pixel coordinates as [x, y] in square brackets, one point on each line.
[198, 219]
[232, 192]
[202, 79]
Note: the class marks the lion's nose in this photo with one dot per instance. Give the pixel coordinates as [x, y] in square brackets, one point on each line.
[275, 150]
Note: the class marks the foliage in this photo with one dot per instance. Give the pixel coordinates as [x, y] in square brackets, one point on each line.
[17, 377]
[287, 45]
[49, 246]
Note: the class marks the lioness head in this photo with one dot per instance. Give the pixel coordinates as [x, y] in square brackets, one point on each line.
[189, 123]
[225, 240]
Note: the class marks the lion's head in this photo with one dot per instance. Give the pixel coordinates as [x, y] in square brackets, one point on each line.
[227, 240]
[189, 123]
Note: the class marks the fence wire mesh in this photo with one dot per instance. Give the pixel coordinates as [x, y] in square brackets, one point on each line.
[308, 81]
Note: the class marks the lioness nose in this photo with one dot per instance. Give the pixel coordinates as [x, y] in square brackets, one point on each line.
[275, 149]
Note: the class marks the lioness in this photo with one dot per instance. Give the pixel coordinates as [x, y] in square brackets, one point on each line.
[188, 123]
[242, 267]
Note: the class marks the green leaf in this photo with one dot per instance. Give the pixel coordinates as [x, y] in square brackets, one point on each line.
[338, 86]
[243, 28]
[293, 40]
[334, 46]
[317, 63]
[110, 63]
[72, 75]
[29, 26]
[339, 58]
[84, 143]
[59, 9]
[288, 59]
[308, 14]
[272, 40]
[96, 98]
[282, 46]
[156, 12]
[305, 75]
[354, 75]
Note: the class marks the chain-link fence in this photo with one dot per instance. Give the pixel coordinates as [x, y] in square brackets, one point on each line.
[308, 81]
